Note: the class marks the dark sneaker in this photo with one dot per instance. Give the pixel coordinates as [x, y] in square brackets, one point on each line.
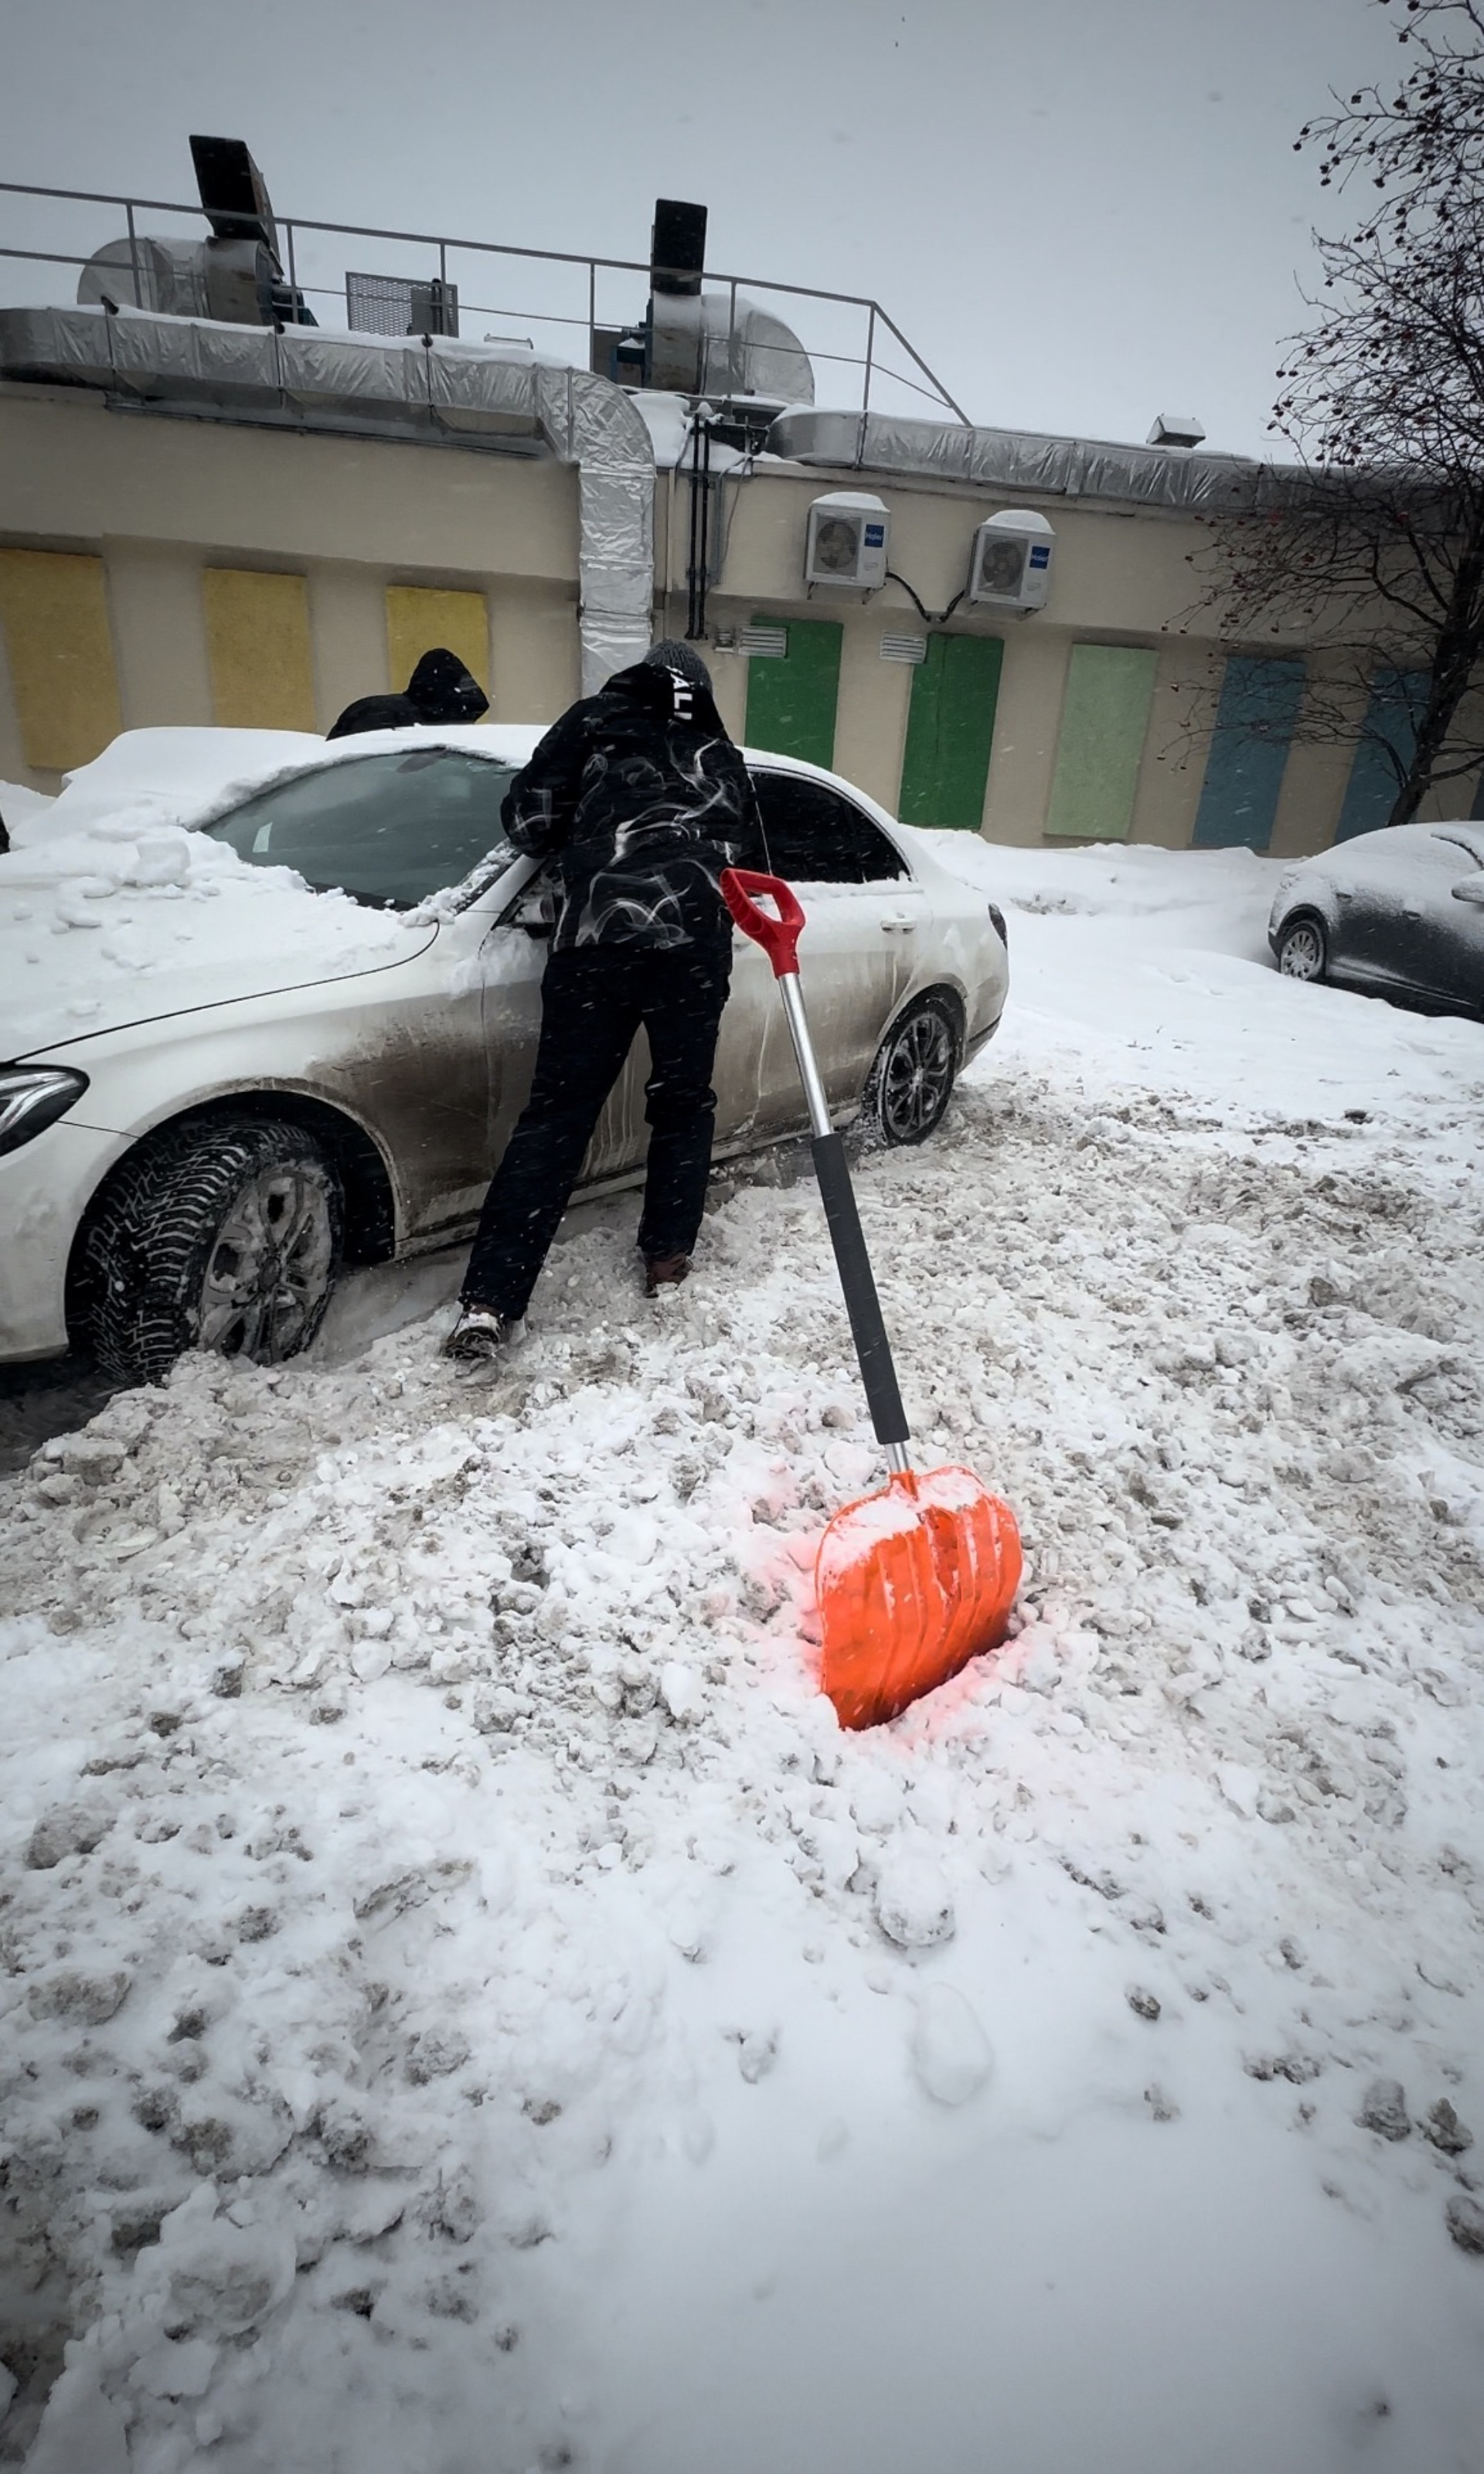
[478, 1333]
[664, 1272]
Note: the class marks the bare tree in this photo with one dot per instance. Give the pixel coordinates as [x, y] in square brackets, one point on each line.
[1371, 546]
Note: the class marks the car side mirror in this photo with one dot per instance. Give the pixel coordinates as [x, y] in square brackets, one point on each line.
[1472, 891]
[535, 913]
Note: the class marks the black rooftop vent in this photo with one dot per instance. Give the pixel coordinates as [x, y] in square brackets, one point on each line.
[233, 193]
[677, 246]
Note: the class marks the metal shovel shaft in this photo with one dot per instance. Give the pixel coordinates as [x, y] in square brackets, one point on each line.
[868, 1330]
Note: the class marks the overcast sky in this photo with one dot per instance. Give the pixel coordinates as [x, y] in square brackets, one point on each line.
[1081, 212]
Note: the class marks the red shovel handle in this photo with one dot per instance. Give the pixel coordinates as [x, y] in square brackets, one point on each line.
[778, 937]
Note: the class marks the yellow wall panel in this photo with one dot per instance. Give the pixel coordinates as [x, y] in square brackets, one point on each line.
[258, 643]
[416, 618]
[54, 604]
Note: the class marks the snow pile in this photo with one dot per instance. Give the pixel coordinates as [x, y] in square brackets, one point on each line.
[180, 920]
[18, 804]
[467, 2002]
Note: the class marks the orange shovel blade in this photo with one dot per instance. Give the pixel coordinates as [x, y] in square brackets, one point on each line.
[912, 1584]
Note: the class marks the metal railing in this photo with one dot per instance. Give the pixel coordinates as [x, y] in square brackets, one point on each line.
[303, 254]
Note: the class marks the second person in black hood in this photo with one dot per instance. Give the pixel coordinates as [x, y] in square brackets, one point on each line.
[641, 799]
[440, 690]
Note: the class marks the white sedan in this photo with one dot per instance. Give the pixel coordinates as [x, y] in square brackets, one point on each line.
[271, 1006]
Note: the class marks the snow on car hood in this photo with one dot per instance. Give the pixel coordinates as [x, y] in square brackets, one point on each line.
[114, 907]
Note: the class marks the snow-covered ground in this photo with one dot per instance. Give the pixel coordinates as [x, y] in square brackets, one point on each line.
[466, 2007]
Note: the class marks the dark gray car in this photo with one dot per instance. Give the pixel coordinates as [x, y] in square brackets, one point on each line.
[1398, 913]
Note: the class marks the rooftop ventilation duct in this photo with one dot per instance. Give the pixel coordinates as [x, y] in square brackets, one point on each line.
[722, 345]
[717, 344]
[234, 276]
[1174, 429]
[1016, 459]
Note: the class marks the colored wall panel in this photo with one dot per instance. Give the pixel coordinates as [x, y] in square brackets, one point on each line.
[1104, 717]
[791, 704]
[1393, 713]
[54, 604]
[257, 644]
[950, 727]
[1244, 771]
[419, 617]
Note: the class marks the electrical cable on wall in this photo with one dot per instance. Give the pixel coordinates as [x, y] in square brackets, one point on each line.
[928, 617]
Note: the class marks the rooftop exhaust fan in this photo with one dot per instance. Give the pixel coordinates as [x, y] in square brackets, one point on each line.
[1010, 566]
[1174, 429]
[848, 538]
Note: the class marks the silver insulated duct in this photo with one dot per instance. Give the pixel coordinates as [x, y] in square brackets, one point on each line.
[713, 343]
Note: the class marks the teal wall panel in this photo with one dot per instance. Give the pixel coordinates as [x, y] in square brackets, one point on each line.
[1244, 771]
[1395, 707]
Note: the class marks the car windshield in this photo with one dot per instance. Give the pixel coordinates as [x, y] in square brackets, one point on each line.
[387, 830]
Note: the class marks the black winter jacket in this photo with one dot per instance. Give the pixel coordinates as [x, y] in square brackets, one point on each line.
[439, 690]
[643, 799]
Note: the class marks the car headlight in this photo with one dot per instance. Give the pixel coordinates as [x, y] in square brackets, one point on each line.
[997, 923]
[31, 1097]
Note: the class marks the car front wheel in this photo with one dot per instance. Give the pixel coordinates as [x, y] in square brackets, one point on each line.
[1303, 948]
[912, 1080]
[221, 1236]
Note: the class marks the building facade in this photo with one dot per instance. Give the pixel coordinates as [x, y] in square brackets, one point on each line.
[173, 551]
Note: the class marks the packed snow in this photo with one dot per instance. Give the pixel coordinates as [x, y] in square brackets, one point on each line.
[114, 903]
[467, 2007]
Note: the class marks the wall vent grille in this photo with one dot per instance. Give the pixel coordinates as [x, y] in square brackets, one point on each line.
[765, 643]
[904, 648]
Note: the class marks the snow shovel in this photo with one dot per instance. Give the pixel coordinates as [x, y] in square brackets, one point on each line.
[914, 1581]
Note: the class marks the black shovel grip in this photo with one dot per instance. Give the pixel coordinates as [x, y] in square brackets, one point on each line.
[869, 1332]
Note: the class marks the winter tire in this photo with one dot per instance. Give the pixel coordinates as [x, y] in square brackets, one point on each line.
[1302, 947]
[221, 1236]
[911, 1082]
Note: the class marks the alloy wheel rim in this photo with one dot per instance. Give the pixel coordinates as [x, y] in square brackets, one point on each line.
[917, 1076]
[269, 1267]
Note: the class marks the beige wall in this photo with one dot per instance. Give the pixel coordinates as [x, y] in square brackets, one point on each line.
[161, 498]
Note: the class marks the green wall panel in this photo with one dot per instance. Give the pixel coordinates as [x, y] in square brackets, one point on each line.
[1103, 718]
[791, 704]
[950, 726]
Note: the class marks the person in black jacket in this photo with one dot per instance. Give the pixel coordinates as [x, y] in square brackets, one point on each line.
[440, 690]
[641, 799]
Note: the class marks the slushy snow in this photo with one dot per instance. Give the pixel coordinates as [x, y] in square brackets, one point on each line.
[467, 2007]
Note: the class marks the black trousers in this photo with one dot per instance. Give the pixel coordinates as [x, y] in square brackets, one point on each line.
[594, 1000]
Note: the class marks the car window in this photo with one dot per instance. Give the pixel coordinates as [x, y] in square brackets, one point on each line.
[814, 837]
[388, 829]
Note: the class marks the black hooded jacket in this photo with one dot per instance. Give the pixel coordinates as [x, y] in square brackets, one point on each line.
[643, 799]
[440, 690]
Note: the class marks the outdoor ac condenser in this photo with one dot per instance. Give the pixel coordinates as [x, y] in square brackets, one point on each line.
[1011, 568]
[848, 537]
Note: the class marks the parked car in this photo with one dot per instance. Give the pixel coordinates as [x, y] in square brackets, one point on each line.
[1399, 913]
[250, 1077]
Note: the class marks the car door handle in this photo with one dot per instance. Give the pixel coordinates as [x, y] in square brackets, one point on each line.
[1411, 911]
[899, 927]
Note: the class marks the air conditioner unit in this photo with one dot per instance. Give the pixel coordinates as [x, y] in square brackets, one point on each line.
[848, 533]
[1011, 568]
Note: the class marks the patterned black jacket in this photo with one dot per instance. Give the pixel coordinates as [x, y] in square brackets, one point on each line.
[643, 799]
